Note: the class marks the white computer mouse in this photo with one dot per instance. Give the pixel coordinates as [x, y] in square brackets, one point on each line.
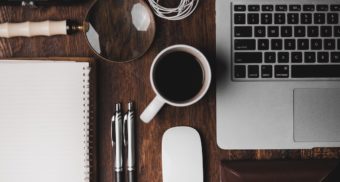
[182, 159]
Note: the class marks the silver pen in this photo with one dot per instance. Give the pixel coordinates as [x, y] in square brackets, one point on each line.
[129, 140]
[117, 126]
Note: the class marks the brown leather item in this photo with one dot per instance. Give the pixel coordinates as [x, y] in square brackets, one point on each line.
[280, 171]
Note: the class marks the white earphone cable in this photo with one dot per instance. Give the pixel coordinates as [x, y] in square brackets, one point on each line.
[184, 9]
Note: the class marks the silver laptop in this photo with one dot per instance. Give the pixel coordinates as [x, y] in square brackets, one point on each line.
[278, 74]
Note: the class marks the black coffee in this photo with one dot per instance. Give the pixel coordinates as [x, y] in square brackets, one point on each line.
[178, 76]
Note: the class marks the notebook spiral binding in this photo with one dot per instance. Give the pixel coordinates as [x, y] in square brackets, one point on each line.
[88, 126]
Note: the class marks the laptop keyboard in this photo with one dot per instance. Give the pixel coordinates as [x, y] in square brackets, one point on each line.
[286, 41]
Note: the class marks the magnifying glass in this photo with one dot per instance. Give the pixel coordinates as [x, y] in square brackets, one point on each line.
[116, 30]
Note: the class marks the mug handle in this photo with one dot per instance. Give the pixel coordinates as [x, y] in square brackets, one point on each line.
[152, 109]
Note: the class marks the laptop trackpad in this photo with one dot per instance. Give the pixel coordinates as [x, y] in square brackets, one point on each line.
[317, 115]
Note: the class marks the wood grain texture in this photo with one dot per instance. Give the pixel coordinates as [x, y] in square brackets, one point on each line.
[122, 82]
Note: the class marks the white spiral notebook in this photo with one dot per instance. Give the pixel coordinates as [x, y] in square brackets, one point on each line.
[44, 121]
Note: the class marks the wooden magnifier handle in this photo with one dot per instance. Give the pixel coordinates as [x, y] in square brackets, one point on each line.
[31, 29]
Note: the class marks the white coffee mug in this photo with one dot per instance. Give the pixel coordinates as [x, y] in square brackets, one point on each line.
[152, 109]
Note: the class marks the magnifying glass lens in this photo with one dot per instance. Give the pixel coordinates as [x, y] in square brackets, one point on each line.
[120, 30]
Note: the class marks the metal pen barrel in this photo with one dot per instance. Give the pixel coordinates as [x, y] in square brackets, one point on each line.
[118, 125]
[130, 126]
[131, 138]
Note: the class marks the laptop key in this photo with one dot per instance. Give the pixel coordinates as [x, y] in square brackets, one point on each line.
[240, 8]
[315, 71]
[323, 57]
[316, 44]
[313, 31]
[253, 7]
[266, 71]
[253, 18]
[253, 71]
[281, 7]
[337, 31]
[335, 7]
[289, 44]
[335, 57]
[243, 31]
[260, 31]
[266, 18]
[310, 57]
[263, 44]
[245, 44]
[329, 44]
[239, 18]
[306, 18]
[276, 44]
[248, 57]
[281, 71]
[283, 57]
[240, 71]
[273, 31]
[326, 31]
[319, 18]
[299, 31]
[267, 7]
[308, 7]
[269, 57]
[286, 31]
[293, 18]
[303, 44]
[296, 57]
[332, 18]
[295, 7]
[280, 18]
[322, 7]
[338, 44]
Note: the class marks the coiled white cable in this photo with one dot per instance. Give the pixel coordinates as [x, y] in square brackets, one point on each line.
[184, 9]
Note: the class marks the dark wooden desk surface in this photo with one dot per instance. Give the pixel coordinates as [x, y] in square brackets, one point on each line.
[122, 82]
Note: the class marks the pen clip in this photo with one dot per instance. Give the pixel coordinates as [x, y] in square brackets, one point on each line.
[124, 128]
[113, 138]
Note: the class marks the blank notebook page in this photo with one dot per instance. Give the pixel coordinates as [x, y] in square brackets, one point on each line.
[43, 121]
